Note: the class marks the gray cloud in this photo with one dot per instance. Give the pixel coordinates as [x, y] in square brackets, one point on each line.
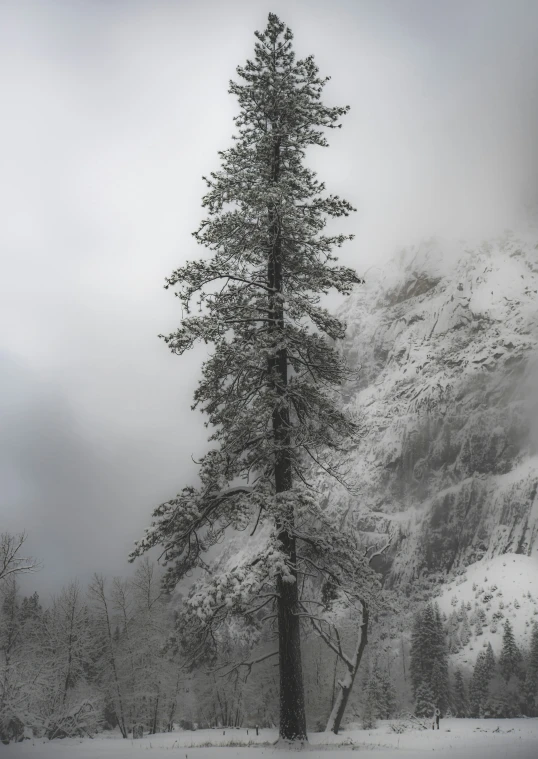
[82, 491]
[112, 112]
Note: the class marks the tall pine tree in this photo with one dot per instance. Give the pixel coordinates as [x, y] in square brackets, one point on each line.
[480, 681]
[531, 675]
[429, 657]
[489, 661]
[461, 707]
[268, 386]
[510, 656]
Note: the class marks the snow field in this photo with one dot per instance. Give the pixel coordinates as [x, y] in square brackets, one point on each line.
[460, 738]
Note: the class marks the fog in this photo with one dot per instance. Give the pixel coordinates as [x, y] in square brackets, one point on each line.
[112, 112]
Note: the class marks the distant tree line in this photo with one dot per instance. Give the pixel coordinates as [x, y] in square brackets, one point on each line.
[507, 687]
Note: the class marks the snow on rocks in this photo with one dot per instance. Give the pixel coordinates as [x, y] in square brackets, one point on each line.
[444, 341]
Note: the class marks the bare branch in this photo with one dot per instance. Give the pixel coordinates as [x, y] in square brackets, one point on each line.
[10, 562]
[380, 551]
[247, 664]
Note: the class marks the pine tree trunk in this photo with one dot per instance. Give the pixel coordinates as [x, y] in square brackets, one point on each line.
[292, 704]
[292, 707]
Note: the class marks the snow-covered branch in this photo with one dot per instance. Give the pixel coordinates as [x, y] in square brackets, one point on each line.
[10, 562]
[247, 664]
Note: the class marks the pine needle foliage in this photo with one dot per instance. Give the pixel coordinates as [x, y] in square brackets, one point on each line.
[510, 656]
[269, 387]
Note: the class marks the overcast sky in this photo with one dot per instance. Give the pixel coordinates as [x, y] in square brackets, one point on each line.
[112, 110]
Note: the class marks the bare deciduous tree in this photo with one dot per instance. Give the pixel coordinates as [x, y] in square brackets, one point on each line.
[11, 562]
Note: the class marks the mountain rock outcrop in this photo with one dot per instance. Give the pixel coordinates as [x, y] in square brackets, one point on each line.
[444, 341]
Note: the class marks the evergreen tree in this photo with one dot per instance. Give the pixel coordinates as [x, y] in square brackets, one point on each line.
[380, 694]
[480, 681]
[531, 676]
[387, 695]
[489, 662]
[424, 641]
[429, 655]
[438, 682]
[478, 687]
[461, 707]
[424, 701]
[465, 633]
[452, 624]
[416, 668]
[267, 387]
[454, 643]
[510, 654]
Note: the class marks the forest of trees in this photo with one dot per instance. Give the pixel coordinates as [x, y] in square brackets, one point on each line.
[112, 656]
[109, 656]
[507, 687]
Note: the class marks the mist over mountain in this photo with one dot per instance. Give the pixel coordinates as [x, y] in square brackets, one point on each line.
[444, 343]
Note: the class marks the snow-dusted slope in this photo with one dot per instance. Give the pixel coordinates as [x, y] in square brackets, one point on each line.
[505, 587]
[444, 341]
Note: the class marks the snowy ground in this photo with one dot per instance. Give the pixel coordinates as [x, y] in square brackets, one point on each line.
[462, 739]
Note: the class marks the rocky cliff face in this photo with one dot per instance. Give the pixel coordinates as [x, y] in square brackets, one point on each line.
[444, 341]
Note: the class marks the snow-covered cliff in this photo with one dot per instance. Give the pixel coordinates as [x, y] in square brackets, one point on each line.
[444, 340]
